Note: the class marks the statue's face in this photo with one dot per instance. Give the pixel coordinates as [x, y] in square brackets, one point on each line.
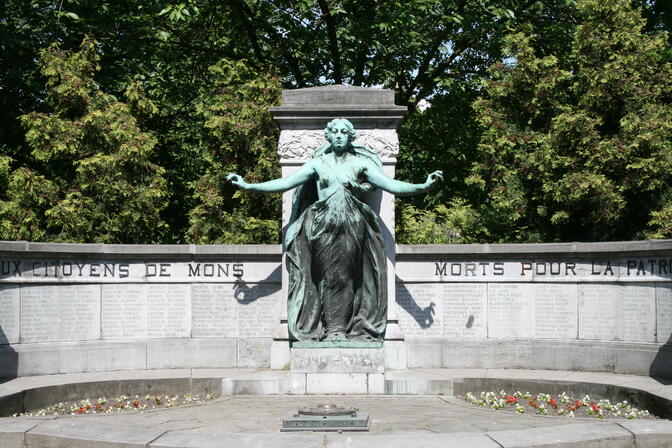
[339, 136]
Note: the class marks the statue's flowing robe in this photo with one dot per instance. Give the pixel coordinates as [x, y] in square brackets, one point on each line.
[336, 264]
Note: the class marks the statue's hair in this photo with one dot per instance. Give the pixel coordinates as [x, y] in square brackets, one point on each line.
[350, 128]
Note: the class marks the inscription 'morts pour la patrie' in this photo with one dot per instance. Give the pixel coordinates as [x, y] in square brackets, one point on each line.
[17, 270]
[562, 268]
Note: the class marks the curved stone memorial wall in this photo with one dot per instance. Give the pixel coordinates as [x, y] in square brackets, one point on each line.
[576, 306]
[569, 306]
[79, 307]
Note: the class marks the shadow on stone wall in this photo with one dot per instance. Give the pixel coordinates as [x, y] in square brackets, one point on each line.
[9, 359]
[244, 294]
[423, 316]
[661, 367]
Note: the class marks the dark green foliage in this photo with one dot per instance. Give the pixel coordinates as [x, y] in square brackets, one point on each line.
[92, 178]
[241, 137]
[193, 80]
[581, 152]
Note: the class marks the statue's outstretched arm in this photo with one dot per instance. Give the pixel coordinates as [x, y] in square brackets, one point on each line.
[300, 176]
[377, 177]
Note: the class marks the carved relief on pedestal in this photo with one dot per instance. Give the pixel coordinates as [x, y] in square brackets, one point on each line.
[299, 145]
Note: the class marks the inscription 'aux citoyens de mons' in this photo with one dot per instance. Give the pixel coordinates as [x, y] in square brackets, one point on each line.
[639, 267]
[121, 270]
[212, 270]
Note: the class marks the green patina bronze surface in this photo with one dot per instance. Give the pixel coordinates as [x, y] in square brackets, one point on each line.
[334, 245]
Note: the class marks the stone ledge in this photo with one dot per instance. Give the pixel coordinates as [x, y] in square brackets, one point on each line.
[241, 381]
[312, 107]
[109, 355]
[648, 247]
[336, 94]
[634, 358]
[553, 354]
[70, 250]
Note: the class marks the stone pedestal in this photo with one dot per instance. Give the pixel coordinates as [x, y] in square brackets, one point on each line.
[302, 117]
[345, 369]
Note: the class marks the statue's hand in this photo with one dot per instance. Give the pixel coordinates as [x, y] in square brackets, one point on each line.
[356, 187]
[433, 179]
[236, 180]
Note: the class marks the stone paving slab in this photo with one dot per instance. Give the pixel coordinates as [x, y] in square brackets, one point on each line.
[460, 439]
[641, 382]
[654, 433]
[70, 433]
[12, 431]
[193, 439]
[605, 435]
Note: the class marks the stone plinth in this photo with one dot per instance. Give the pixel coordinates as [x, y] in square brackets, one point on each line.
[337, 360]
[340, 369]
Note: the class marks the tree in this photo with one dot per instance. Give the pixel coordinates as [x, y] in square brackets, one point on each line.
[241, 137]
[91, 178]
[581, 152]
[411, 46]
[430, 50]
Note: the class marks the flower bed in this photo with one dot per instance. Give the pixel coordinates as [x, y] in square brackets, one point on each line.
[122, 403]
[562, 405]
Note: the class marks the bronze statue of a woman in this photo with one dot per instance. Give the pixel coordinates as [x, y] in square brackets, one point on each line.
[336, 261]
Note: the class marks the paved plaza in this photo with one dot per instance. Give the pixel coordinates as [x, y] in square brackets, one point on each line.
[396, 420]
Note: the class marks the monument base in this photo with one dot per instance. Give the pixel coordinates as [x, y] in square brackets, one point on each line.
[339, 368]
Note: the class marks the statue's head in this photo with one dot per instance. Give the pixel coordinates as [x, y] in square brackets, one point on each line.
[339, 127]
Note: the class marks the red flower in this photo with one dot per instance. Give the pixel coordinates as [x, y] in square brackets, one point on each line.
[511, 399]
[594, 407]
[136, 403]
[577, 404]
[553, 403]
